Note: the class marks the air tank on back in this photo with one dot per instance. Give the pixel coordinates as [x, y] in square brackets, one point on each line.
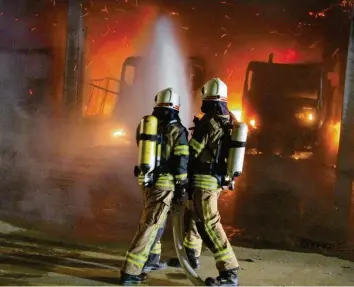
[148, 146]
[237, 151]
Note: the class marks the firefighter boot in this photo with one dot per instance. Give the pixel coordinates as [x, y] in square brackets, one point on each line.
[226, 278]
[153, 263]
[128, 279]
[192, 259]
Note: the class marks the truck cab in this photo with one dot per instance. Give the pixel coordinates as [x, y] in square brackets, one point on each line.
[109, 101]
[283, 106]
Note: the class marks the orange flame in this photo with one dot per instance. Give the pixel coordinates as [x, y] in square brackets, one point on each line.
[336, 133]
[333, 132]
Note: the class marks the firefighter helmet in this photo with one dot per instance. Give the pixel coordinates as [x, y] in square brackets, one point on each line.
[167, 98]
[214, 90]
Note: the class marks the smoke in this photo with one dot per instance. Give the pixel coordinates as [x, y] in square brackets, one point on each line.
[30, 164]
[48, 174]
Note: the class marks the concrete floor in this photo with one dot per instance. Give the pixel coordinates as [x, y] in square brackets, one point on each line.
[93, 198]
[30, 258]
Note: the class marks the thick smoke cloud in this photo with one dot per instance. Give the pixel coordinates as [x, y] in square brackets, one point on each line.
[50, 174]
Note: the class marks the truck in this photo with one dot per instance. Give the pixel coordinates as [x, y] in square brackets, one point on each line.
[283, 105]
[107, 111]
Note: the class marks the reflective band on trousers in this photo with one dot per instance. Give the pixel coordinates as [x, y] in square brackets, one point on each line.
[224, 255]
[165, 181]
[205, 182]
[157, 248]
[197, 146]
[138, 260]
[181, 150]
[196, 245]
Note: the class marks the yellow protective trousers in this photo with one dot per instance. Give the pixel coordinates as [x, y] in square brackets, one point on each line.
[210, 229]
[192, 239]
[157, 204]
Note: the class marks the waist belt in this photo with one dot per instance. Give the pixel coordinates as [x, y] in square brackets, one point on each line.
[163, 168]
[209, 169]
[203, 168]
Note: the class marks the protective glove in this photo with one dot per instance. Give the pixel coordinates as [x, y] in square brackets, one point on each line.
[229, 184]
[180, 193]
[232, 184]
[232, 181]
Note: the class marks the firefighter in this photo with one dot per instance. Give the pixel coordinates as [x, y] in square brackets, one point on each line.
[163, 178]
[207, 169]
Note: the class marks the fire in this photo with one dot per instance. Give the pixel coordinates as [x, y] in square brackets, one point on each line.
[336, 133]
[174, 14]
[310, 117]
[112, 42]
[118, 133]
[290, 56]
[235, 105]
[333, 133]
[253, 123]
[346, 3]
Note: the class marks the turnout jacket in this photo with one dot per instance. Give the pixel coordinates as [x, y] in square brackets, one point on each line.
[203, 149]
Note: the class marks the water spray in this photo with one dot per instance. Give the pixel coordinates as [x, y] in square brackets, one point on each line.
[164, 66]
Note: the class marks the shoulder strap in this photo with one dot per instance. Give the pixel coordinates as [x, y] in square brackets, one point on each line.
[181, 126]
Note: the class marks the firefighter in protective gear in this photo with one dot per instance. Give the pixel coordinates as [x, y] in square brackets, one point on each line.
[207, 168]
[168, 186]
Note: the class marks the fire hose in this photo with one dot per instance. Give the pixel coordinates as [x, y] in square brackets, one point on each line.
[178, 237]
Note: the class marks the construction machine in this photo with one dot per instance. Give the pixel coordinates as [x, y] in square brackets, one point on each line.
[284, 106]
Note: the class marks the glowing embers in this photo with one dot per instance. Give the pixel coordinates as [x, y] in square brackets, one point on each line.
[118, 133]
[307, 115]
[301, 155]
[336, 132]
[253, 123]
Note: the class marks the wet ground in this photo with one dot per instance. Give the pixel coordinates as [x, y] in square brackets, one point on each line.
[34, 259]
[93, 196]
[281, 201]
